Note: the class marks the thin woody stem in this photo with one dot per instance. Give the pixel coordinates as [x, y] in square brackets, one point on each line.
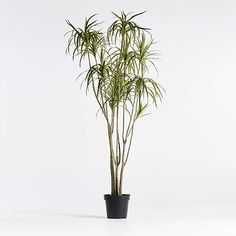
[113, 179]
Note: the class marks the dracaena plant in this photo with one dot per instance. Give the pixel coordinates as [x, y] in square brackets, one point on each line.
[118, 63]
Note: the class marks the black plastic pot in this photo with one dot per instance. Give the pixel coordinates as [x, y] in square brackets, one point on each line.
[117, 206]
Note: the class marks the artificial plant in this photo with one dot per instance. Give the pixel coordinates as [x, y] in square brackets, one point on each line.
[118, 63]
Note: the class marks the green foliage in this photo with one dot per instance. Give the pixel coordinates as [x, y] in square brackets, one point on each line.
[118, 68]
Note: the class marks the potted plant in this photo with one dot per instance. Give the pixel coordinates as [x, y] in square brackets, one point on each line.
[118, 67]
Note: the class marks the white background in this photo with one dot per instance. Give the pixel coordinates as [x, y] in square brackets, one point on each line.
[54, 151]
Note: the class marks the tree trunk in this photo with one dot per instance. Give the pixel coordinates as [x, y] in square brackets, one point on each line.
[121, 179]
[113, 182]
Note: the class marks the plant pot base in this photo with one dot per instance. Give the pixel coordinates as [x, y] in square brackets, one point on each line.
[117, 206]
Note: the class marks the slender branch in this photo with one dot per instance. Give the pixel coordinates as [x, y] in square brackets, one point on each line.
[131, 136]
[129, 146]
[112, 159]
[94, 90]
[123, 122]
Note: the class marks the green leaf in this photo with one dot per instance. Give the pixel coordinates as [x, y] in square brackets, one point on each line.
[138, 14]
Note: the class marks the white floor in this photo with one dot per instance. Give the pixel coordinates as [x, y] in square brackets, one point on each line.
[195, 220]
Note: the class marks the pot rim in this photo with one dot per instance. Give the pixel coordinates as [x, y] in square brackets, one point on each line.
[121, 197]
